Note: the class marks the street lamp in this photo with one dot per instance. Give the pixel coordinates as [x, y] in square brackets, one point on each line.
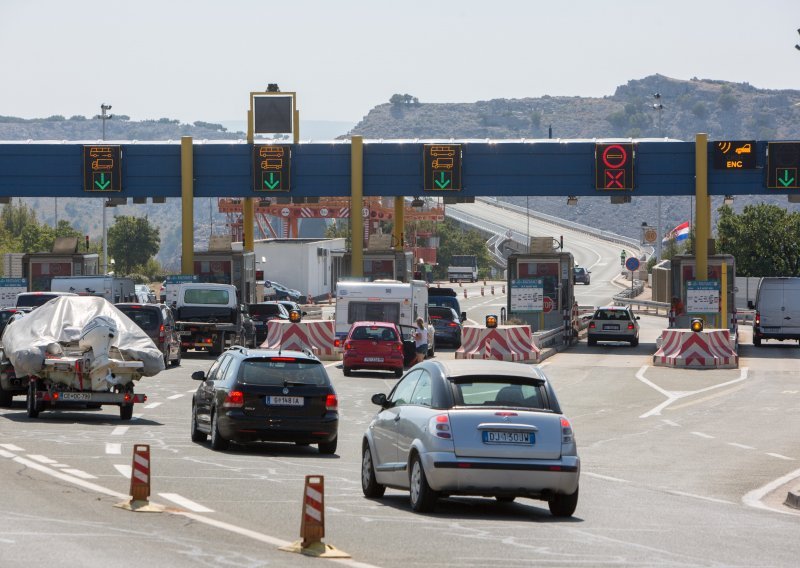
[658, 107]
[103, 116]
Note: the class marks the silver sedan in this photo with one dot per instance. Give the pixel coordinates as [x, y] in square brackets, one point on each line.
[472, 427]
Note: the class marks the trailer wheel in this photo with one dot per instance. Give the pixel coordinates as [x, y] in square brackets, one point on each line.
[125, 411]
[6, 398]
[32, 407]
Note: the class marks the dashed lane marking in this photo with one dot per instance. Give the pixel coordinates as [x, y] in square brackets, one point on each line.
[11, 448]
[605, 477]
[174, 396]
[707, 436]
[113, 448]
[79, 473]
[186, 503]
[42, 459]
[120, 430]
[737, 445]
[153, 405]
[701, 497]
[780, 456]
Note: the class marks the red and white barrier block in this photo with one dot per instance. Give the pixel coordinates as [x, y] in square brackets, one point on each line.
[317, 336]
[708, 349]
[503, 343]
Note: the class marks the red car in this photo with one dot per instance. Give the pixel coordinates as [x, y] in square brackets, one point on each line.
[373, 345]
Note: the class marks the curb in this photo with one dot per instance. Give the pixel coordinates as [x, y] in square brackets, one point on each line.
[793, 499]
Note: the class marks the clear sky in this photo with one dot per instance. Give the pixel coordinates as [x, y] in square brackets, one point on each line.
[199, 59]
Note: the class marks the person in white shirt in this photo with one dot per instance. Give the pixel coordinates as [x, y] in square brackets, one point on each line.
[421, 340]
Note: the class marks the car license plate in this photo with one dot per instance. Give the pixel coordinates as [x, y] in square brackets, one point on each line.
[611, 326]
[770, 329]
[285, 401]
[492, 437]
[258, 323]
[76, 396]
[373, 359]
[184, 333]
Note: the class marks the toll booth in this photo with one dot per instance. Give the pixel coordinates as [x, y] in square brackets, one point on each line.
[541, 289]
[228, 267]
[383, 264]
[704, 299]
[39, 268]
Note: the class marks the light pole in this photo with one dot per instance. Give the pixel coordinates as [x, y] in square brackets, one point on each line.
[658, 107]
[103, 116]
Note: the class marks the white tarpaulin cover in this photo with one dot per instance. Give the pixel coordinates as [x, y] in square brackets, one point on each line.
[61, 320]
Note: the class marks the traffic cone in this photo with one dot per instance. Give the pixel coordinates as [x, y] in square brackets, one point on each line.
[465, 293]
[492, 289]
[140, 483]
[312, 524]
[482, 291]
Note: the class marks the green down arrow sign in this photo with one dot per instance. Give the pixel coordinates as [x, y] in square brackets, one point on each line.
[786, 181]
[272, 183]
[102, 184]
[442, 182]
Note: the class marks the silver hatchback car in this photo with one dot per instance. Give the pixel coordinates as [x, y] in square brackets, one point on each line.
[614, 323]
[472, 427]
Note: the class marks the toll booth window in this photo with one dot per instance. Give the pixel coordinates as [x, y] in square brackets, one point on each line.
[547, 271]
[373, 311]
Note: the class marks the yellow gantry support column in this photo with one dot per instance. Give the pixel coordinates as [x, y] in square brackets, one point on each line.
[702, 225]
[248, 211]
[187, 205]
[399, 222]
[356, 204]
[723, 296]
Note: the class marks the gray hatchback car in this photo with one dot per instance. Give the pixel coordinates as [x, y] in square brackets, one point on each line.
[614, 323]
[472, 427]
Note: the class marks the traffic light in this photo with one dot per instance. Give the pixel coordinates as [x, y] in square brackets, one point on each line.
[697, 324]
[491, 321]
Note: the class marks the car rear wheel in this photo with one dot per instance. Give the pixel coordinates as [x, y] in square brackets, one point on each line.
[348, 372]
[31, 405]
[591, 341]
[398, 373]
[125, 411]
[328, 448]
[422, 497]
[634, 342]
[563, 505]
[756, 341]
[218, 443]
[177, 362]
[369, 485]
[197, 435]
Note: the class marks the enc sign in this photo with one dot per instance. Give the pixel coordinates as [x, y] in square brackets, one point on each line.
[271, 167]
[613, 166]
[735, 155]
[442, 167]
[783, 163]
[102, 168]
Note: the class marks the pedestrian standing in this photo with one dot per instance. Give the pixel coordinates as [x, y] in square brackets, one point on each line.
[420, 340]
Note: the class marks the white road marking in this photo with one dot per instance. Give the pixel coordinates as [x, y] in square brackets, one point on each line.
[191, 391]
[671, 423]
[672, 396]
[7, 454]
[42, 459]
[113, 448]
[125, 470]
[707, 436]
[174, 396]
[703, 498]
[120, 430]
[780, 457]
[79, 473]
[153, 405]
[186, 503]
[11, 447]
[734, 444]
[606, 477]
[754, 497]
[329, 365]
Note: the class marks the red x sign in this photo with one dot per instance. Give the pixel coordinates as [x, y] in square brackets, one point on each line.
[615, 179]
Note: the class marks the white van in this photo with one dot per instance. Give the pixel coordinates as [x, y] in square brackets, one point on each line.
[777, 308]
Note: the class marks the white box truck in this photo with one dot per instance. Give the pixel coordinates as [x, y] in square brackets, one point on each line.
[382, 300]
[112, 288]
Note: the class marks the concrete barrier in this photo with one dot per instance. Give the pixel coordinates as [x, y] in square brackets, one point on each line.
[503, 343]
[708, 349]
[316, 336]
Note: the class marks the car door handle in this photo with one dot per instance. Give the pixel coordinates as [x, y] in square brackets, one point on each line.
[397, 418]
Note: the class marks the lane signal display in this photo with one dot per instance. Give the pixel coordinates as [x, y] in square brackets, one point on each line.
[272, 167]
[442, 167]
[783, 164]
[613, 165]
[102, 168]
[735, 155]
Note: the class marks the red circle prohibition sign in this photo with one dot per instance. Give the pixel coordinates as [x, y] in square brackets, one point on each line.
[616, 159]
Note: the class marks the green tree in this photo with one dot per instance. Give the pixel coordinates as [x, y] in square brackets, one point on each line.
[453, 239]
[132, 241]
[764, 239]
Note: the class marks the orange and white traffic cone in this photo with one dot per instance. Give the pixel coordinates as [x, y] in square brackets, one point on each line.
[312, 524]
[140, 482]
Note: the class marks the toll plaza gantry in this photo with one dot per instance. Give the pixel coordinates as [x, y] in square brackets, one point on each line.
[354, 169]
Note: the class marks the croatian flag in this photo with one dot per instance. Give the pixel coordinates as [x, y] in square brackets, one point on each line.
[679, 233]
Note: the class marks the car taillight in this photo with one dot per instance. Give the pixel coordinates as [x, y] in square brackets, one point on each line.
[348, 345]
[161, 335]
[331, 402]
[234, 399]
[452, 324]
[758, 319]
[630, 325]
[592, 325]
[566, 431]
[399, 346]
[337, 342]
[439, 426]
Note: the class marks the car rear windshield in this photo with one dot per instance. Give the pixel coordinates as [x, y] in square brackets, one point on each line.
[612, 315]
[500, 391]
[281, 371]
[374, 333]
[202, 296]
[146, 318]
[34, 300]
[440, 313]
[265, 309]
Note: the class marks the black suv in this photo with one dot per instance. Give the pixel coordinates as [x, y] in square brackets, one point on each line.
[251, 395]
[157, 322]
[581, 275]
[262, 314]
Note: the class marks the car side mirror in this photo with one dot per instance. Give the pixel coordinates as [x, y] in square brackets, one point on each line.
[305, 313]
[199, 376]
[377, 399]
[463, 316]
[750, 305]
[637, 317]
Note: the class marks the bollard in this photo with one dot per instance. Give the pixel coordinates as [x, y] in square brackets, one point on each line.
[312, 523]
[504, 289]
[492, 289]
[482, 291]
[140, 482]
[465, 293]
